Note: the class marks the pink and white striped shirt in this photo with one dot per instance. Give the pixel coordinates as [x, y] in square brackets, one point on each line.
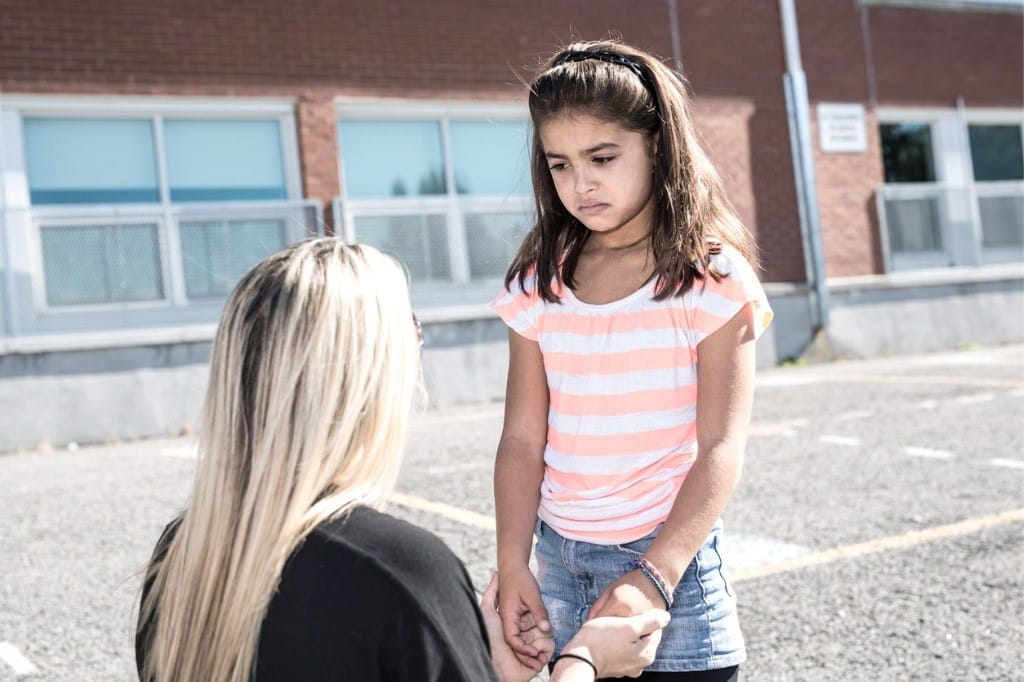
[622, 381]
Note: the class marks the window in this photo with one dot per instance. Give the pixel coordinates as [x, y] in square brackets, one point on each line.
[392, 158]
[997, 156]
[488, 157]
[912, 218]
[446, 192]
[224, 160]
[90, 161]
[907, 152]
[954, 193]
[181, 165]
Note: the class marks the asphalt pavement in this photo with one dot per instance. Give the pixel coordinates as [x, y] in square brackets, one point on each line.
[876, 533]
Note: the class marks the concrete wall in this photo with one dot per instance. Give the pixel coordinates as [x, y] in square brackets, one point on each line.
[51, 399]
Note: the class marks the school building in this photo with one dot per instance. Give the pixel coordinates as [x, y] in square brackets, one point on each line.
[152, 150]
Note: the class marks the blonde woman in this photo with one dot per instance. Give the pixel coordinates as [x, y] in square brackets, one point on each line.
[282, 566]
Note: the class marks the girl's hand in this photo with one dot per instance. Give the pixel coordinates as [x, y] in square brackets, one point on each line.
[521, 611]
[632, 594]
[508, 667]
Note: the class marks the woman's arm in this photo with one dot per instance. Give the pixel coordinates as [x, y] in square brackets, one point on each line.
[518, 472]
[725, 389]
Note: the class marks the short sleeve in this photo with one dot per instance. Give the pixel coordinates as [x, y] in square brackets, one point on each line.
[716, 302]
[519, 306]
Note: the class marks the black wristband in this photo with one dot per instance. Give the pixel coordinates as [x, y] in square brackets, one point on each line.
[578, 658]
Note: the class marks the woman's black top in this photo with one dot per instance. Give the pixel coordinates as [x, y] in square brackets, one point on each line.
[369, 597]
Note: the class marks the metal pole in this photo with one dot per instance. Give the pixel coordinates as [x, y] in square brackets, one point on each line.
[798, 108]
[10, 324]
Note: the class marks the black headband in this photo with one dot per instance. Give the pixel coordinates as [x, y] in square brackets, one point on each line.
[604, 56]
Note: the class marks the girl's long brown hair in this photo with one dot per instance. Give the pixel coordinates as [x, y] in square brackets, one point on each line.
[690, 206]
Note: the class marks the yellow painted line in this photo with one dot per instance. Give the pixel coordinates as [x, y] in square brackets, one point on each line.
[465, 516]
[902, 541]
[918, 379]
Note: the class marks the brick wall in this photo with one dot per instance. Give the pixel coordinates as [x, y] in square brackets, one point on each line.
[834, 57]
[733, 57]
[315, 50]
[931, 58]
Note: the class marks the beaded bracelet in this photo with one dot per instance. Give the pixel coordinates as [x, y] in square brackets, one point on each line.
[578, 658]
[649, 570]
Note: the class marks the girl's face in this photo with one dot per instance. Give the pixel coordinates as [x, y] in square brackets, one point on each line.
[603, 174]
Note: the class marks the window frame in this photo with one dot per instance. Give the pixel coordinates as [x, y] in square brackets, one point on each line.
[164, 213]
[452, 204]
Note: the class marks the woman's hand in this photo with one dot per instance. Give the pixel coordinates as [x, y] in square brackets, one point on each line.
[630, 595]
[506, 664]
[618, 647]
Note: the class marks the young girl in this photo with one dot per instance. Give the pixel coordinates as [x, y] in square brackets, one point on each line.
[633, 309]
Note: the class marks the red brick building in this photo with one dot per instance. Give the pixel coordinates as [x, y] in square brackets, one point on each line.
[139, 139]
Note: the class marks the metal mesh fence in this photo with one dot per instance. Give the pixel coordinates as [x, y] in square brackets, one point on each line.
[420, 242]
[215, 254]
[492, 240]
[104, 263]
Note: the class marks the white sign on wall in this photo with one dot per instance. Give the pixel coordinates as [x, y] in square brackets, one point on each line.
[842, 128]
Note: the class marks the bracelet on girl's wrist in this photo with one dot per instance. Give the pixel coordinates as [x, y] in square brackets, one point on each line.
[578, 658]
[652, 573]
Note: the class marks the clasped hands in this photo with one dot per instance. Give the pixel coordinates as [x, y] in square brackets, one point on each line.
[621, 635]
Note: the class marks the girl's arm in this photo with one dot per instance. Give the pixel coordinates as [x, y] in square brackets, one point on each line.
[518, 472]
[725, 390]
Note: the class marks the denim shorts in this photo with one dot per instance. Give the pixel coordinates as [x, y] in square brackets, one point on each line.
[704, 633]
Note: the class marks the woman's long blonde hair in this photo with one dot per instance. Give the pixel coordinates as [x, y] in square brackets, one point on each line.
[315, 366]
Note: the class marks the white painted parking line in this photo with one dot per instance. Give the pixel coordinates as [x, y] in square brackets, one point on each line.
[10, 655]
[928, 452]
[1017, 393]
[840, 440]
[975, 398]
[1007, 463]
[854, 414]
[742, 552]
[180, 453]
[922, 379]
[786, 429]
[925, 404]
[785, 381]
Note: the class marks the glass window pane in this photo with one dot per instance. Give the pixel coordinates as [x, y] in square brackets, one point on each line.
[391, 158]
[90, 161]
[492, 240]
[913, 225]
[491, 157]
[420, 242]
[224, 160]
[1002, 221]
[996, 152]
[215, 255]
[101, 264]
[907, 152]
